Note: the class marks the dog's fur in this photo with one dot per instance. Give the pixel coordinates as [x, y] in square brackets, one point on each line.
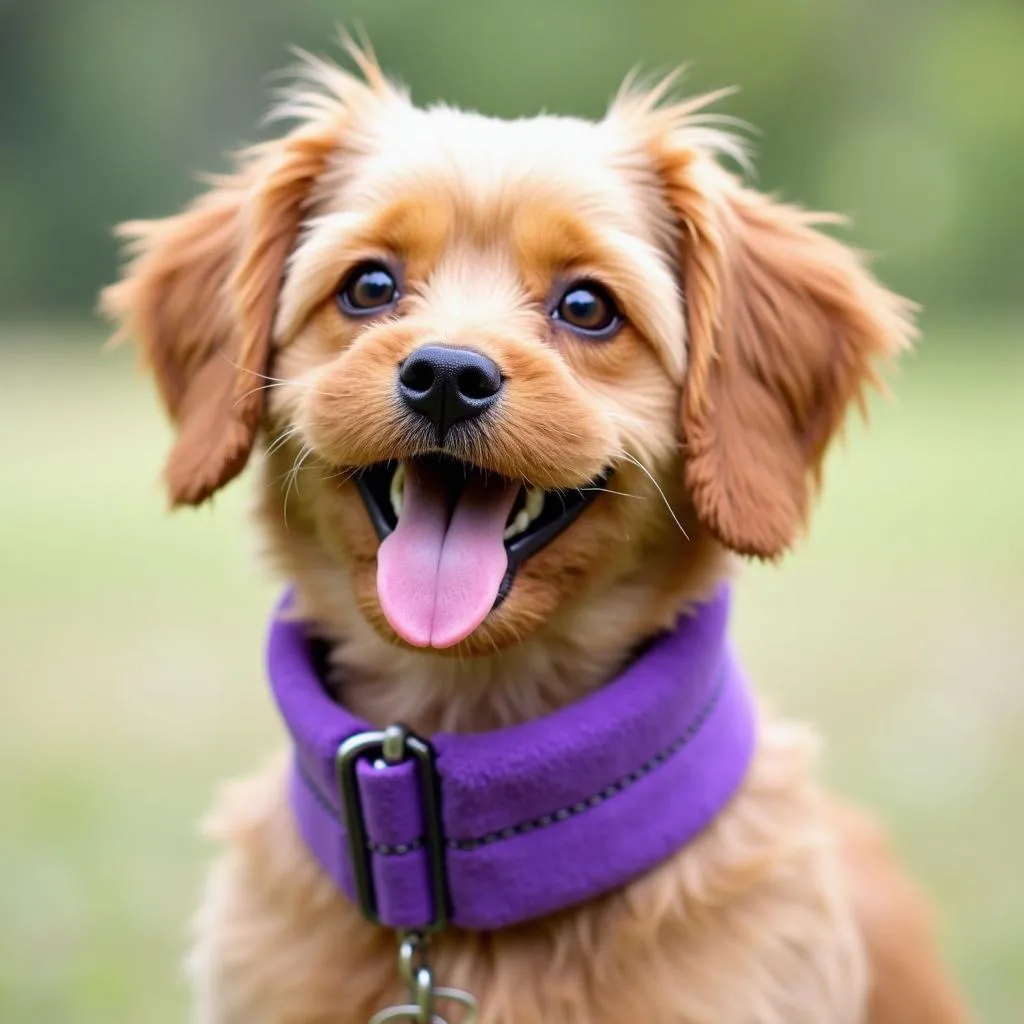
[747, 333]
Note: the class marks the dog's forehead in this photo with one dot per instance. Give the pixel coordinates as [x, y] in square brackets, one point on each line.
[489, 166]
[509, 205]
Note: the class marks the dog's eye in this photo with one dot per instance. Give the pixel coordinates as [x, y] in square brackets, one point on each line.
[367, 288]
[587, 308]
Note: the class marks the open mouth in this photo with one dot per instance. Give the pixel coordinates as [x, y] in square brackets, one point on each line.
[452, 537]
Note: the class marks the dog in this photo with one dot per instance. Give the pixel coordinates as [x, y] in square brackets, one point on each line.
[521, 397]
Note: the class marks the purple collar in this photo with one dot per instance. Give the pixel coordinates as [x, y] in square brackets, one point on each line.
[484, 830]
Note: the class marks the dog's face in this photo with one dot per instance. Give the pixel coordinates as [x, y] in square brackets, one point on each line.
[508, 364]
[483, 325]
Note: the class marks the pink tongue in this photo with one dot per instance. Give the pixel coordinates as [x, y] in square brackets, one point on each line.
[437, 579]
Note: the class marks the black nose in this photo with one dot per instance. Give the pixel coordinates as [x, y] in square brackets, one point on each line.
[448, 384]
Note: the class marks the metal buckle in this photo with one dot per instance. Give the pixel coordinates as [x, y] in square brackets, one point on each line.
[393, 745]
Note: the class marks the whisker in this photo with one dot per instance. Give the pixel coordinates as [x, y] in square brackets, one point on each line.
[342, 475]
[293, 476]
[263, 376]
[277, 380]
[281, 439]
[267, 387]
[608, 490]
[643, 469]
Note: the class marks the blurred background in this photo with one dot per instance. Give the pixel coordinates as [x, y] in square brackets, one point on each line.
[132, 641]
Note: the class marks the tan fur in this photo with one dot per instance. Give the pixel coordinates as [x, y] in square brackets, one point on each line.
[743, 323]
[749, 923]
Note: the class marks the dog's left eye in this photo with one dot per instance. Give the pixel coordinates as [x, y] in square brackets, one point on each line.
[587, 308]
[369, 287]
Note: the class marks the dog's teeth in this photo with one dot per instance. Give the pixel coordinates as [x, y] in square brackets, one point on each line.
[533, 505]
[516, 527]
[398, 489]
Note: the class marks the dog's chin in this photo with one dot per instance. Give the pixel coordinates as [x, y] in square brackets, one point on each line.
[468, 562]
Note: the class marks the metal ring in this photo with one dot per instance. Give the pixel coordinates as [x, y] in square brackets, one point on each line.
[411, 1012]
[404, 1012]
[464, 999]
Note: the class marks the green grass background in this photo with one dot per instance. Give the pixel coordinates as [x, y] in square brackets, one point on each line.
[132, 675]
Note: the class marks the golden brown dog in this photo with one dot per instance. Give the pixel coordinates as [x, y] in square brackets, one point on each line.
[659, 332]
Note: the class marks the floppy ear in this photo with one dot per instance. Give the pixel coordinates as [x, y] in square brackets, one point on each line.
[785, 324]
[199, 295]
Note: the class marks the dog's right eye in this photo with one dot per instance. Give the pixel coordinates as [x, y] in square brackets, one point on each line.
[369, 287]
[587, 308]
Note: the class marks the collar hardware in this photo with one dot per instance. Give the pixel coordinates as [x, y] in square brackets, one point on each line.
[418, 977]
[391, 748]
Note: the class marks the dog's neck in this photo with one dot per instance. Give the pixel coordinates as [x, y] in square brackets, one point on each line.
[577, 651]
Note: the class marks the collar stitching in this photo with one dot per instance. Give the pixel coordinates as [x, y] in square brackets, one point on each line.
[615, 788]
[544, 820]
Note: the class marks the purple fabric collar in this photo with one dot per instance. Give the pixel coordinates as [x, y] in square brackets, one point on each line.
[531, 819]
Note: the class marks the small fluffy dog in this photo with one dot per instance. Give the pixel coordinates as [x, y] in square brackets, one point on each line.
[520, 393]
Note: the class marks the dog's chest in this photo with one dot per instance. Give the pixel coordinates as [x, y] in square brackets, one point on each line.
[746, 925]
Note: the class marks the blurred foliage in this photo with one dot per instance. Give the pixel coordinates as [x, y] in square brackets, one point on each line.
[907, 114]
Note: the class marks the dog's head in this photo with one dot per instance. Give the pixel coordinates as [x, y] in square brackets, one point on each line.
[496, 367]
